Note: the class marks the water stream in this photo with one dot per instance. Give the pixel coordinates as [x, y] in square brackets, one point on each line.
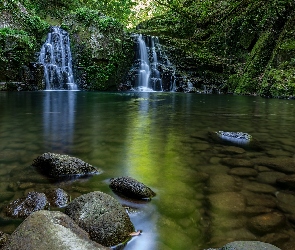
[56, 57]
[152, 70]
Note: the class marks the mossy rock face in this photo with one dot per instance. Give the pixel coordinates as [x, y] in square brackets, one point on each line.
[45, 230]
[240, 139]
[102, 217]
[62, 166]
[132, 188]
[23, 207]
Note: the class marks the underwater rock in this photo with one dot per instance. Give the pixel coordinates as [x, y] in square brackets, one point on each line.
[228, 202]
[103, 217]
[287, 181]
[50, 230]
[266, 223]
[57, 197]
[130, 187]
[23, 207]
[281, 164]
[62, 166]
[240, 139]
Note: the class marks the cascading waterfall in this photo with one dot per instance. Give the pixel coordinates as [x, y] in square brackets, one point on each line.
[152, 70]
[56, 57]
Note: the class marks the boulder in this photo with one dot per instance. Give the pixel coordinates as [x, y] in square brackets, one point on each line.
[130, 187]
[57, 197]
[247, 245]
[45, 230]
[62, 166]
[102, 217]
[23, 207]
[240, 139]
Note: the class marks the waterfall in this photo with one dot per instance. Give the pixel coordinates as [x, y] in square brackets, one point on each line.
[55, 55]
[152, 70]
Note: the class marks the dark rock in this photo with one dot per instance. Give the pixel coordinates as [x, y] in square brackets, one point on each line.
[232, 150]
[240, 139]
[46, 230]
[287, 181]
[255, 210]
[222, 183]
[259, 187]
[3, 239]
[247, 245]
[57, 197]
[275, 238]
[102, 217]
[130, 187]
[266, 223]
[59, 166]
[263, 200]
[236, 162]
[23, 207]
[285, 165]
[269, 177]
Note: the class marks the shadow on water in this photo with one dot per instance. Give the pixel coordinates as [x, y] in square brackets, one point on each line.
[208, 194]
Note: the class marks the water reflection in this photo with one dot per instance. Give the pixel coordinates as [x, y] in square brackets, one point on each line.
[59, 120]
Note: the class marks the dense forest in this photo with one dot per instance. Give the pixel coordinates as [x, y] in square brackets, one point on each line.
[233, 46]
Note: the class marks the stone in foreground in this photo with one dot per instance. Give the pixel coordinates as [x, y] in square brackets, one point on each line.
[45, 230]
[247, 245]
[130, 187]
[61, 166]
[102, 217]
[23, 207]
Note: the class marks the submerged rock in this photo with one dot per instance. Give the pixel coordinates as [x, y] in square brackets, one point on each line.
[130, 187]
[23, 207]
[44, 230]
[240, 139]
[61, 166]
[57, 197]
[102, 217]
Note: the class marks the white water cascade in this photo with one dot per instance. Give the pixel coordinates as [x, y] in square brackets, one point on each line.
[56, 57]
[144, 71]
[152, 70]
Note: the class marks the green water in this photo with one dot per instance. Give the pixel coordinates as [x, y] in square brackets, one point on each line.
[159, 139]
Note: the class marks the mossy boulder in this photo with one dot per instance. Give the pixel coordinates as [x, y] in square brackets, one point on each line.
[132, 188]
[23, 207]
[46, 230]
[102, 217]
[63, 166]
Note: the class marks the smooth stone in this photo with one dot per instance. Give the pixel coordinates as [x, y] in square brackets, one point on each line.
[287, 181]
[236, 162]
[243, 172]
[221, 183]
[266, 223]
[269, 177]
[264, 200]
[215, 160]
[214, 169]
[227, 222]
[44, 230]
[255, 210]
[259, 187]
[278, 152]
[26, 185]
[247, 245]
[283, 164]
[286, 202]
[262, 169]
[230, 202]
[232, 150]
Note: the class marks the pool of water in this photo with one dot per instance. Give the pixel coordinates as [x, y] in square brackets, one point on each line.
[159, 139]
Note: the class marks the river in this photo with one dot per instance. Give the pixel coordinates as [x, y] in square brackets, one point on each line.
[159, 139]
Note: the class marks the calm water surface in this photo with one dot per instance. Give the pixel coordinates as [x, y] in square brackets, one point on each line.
[159, 139]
